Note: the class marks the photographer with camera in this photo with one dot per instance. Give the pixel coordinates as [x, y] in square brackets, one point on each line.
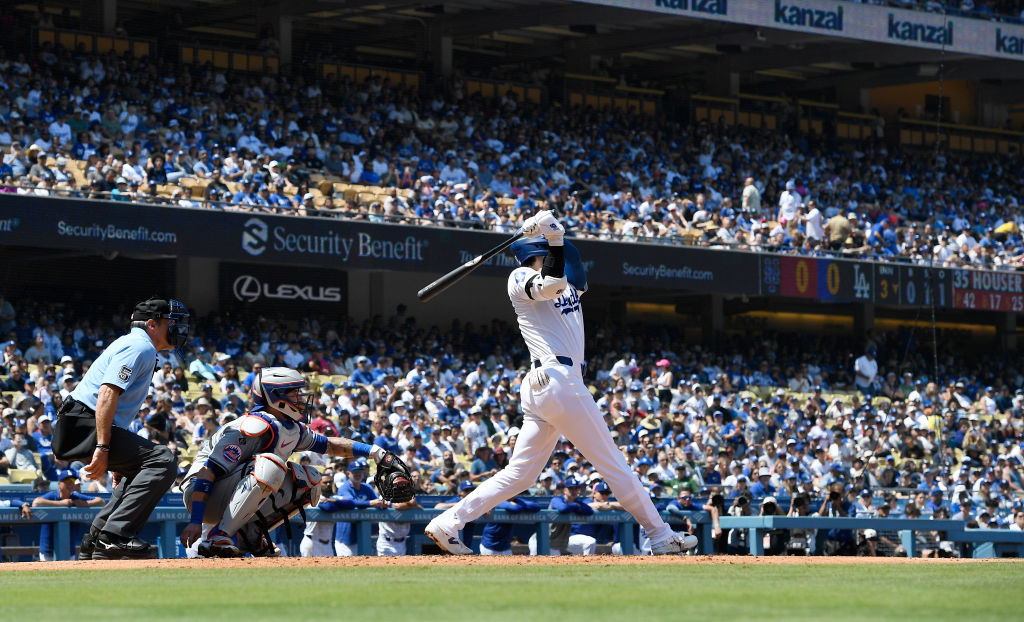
[838, 541]
[775, 539]
[801, 541]
[737, 538]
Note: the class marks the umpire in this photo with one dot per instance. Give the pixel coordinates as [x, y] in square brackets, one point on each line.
[93, 425]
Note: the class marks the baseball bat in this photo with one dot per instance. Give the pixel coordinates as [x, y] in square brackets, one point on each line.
[457, 274]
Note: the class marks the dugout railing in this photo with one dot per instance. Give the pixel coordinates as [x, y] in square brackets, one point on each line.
[169, 520]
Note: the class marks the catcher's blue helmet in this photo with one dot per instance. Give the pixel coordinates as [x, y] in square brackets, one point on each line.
[525, 248]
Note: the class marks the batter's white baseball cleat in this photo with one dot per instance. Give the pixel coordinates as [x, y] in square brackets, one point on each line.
[449, 542]
[679, 543]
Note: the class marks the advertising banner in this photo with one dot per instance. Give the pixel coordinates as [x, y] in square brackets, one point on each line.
[260, 254]
[864, 22]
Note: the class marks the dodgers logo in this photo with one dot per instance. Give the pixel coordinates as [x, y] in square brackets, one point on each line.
[254, 236]
[232, 453]
[568, 303]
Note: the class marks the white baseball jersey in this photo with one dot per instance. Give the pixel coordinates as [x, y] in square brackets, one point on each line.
[550, 328]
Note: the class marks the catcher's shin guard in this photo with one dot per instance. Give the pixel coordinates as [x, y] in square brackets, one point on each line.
[301, 488]
[266, 477]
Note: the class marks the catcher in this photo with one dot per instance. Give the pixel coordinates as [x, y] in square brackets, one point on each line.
[241, 486]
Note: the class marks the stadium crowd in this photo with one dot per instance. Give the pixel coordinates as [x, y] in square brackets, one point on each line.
[995, 10]
[780, 424]
[143, 130]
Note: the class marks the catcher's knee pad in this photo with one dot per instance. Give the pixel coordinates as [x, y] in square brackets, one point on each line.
[300, 488]
[269, 470]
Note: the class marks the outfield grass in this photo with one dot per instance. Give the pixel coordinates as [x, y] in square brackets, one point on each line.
[557, 593]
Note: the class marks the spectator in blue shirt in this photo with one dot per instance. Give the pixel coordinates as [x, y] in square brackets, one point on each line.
[385, 440]
[563, 539]
[360, 496]
[66, 496]
[762, 487]
[497, 537]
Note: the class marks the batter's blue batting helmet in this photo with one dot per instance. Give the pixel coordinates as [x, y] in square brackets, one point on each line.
[525, 248]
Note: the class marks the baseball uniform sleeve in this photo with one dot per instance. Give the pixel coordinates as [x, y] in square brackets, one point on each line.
[520, 282]
[311, 441]
[126, 364]
[229, 453]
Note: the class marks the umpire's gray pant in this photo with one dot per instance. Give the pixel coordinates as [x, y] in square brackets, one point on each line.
[147, 469]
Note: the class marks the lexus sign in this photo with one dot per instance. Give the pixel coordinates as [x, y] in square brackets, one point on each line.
[248, 288]
[278, 288]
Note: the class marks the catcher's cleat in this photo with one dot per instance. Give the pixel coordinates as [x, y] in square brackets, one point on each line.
[449, 543]
[218, 544]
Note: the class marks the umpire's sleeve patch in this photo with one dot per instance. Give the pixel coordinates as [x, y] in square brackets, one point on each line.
[124, 373]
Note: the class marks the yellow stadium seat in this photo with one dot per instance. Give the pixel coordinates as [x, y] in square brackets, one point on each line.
[4, 480]
[22, 476]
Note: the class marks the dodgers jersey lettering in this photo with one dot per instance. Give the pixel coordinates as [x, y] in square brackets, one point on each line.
[549, 327]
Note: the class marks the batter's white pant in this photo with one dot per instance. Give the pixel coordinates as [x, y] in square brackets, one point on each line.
[579, 544]
[564, 406]
[486, 551]
[344, 550]
[390, 548]
[310, 547]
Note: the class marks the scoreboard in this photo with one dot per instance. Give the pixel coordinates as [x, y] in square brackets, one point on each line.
[844, 281]
[988, 290]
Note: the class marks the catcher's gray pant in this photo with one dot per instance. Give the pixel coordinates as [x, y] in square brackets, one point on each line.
[264, 488]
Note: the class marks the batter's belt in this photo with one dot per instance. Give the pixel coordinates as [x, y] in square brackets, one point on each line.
[564, 360]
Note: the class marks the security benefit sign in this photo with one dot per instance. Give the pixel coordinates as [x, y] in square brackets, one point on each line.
[261, 288]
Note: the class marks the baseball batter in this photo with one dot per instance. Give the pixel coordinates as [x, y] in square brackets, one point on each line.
[241, 481]
[545, 293]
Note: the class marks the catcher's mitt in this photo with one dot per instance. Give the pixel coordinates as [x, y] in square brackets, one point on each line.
[393, 479]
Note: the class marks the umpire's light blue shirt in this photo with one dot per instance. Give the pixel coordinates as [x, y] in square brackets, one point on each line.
[127, 363]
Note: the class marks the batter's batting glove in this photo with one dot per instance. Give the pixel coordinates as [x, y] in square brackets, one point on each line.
[550, 228]
[394, 479]
[538, 378]
[530, 227]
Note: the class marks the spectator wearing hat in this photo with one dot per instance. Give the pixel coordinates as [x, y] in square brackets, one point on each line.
[564, 539]
[483, 465]
[19, 455]
[355, 491]
[43, 434]
[67, 495]
[762, 487]
[385, 439]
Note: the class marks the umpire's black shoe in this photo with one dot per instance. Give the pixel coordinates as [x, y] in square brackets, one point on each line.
[87, 547]
[113, 546]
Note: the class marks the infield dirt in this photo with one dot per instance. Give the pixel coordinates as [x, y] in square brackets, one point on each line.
[442, 560]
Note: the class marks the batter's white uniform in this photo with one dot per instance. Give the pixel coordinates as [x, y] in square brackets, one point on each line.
[553, 328]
